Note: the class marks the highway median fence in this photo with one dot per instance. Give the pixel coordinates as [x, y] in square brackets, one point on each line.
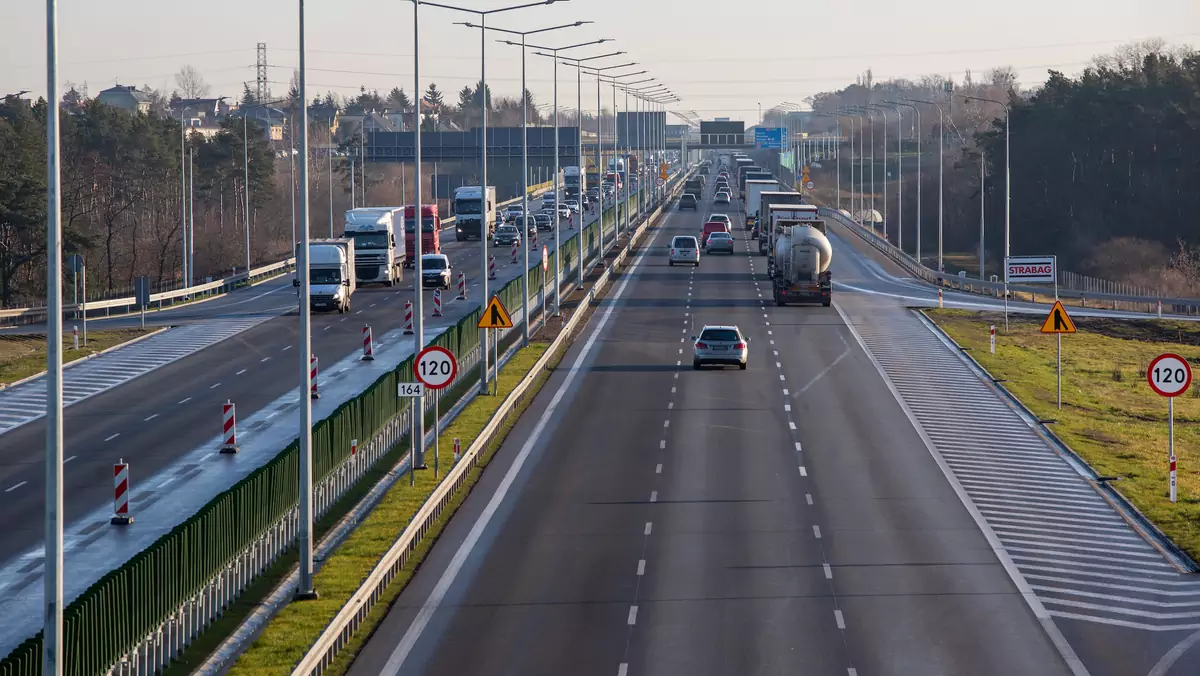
[137, 617]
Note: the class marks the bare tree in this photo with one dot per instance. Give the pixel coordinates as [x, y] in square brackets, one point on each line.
[191, 83]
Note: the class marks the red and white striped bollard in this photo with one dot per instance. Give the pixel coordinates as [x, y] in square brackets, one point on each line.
[992, 338]
[121, 515]
[533, 240]
[516, 244]
[229, 427]
[462, 285]
[491, 267]
[939, 298]
[312, 375]
[437, 302]
[354, 447]
[408, 320]
[368, 345]
[457, 451]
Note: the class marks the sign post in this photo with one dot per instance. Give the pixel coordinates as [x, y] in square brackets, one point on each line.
[495, 316]
[1058, 322]
[1170, 376]
[142, 290]
[436, 367]
[1029, 269]
[545, 269]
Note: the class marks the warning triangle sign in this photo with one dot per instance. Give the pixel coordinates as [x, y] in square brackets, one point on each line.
[1058, 321]
[495, 316]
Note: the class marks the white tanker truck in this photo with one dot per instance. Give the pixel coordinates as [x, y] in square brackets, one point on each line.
[801, 256]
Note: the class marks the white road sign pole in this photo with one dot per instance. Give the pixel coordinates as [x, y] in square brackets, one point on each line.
[1170, 376]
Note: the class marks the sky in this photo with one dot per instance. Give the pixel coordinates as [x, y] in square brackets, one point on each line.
[723, 59]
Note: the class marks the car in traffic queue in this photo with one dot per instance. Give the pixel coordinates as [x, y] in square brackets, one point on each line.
[711, 227]
[684, 249]
[436, 271]
[512, 212]
[527, 225]
[719, 242]
[544, 220]
[724, 345]
[573, 206]
[720, 217]
[507, 235]
[687, 201]
[722, 197]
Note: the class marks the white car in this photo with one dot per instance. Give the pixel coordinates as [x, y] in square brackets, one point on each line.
[436, 271]
[721, 197]
[573, 205]
[684, 249]
[720, 217]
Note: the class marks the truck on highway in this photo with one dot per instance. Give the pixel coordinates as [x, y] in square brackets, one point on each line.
[800, 262]
[750, 203]
[331, 274]
[473, 218]
[378, 243]
[431, 231]
[761, 230]
[574, 184]
[742, 175]
[761, 175]
[695, 186]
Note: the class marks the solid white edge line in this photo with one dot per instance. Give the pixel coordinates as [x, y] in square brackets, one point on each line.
[433, 602]
[1039, 611]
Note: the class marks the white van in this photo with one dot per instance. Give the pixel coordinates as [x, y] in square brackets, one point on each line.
[684, 249]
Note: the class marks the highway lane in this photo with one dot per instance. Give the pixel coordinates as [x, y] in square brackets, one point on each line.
[152, 420]
[652, 519]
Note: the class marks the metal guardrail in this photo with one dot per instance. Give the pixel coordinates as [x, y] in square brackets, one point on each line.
[30, 315]
[1132, 302]
[343, 626]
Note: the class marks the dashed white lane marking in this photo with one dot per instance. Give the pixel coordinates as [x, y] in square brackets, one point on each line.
[787, 408]
[851, 671]
[803, 472]
[841, 621]
[781, 376]
[797, 446]
[791, 425]
[658, 470]
[785, 392]
[672, 389]
[69, 459]
[649, 527]
[816, 531]
[15, 486]
[327, 328]
[206, 456]
[828, 571]
[670, 405]
[243, 370]
[359, 312]
[286, 348]
[150, 417]
[113, 437]
[641, 567]
[662, 444]
[808, 498]
[264, 359]
[653, 496]
[632, 619]
[214, 386]
[623, 669]
[666, 423]
[184, 401]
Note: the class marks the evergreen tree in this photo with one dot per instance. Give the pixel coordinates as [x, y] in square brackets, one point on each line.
[398, 100]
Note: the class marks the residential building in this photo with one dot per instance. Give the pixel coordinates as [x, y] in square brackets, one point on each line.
[125, 97]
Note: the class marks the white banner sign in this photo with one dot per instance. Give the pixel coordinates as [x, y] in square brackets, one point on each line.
[1030, 269]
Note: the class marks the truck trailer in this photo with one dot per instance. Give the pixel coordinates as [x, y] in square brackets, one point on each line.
[379, 240]
[473, 218]
[799, 267]
[754, 188]
[762, 228]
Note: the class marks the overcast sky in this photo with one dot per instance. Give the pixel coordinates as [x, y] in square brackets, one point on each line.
[721, 58]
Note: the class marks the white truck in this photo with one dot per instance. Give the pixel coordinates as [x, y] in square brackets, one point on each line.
[574, 184]
[754, 189]
[331, 274]
[472, 218]
[801, 256]
[378, 235]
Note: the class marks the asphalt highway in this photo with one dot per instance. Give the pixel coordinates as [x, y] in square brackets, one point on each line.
[155, 418]
[646, 518]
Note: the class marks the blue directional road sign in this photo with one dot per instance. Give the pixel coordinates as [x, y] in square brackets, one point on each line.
[770, 138]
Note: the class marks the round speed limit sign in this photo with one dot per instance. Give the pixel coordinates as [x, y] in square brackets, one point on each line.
[435, 366]
[1169, 375]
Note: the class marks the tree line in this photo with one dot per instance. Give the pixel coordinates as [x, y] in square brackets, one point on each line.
[1103, 164]
[122, 191]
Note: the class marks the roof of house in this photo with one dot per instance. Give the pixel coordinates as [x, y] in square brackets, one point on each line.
[137, 94]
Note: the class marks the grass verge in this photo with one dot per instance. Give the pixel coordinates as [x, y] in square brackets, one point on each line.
[1110, 417]
[24, 355]
[297, 626]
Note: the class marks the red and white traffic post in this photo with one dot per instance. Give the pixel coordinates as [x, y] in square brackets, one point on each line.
[992, 338]
[1170, 376]
[491, 267]
[533, 240]
[121, 515]
[368, 345]
[312, 375]
[940, 299]
[437, 302]
[516, 244]
[408, 318]
[229, 427]
[457, 450]
[462, 285]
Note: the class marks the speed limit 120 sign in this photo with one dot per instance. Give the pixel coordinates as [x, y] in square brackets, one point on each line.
[435, 366]
[1169, 375]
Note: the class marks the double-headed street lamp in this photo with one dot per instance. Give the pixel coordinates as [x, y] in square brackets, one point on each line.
[941, 159]
[623, 205]
[484, 227]
[917, 113]
[638, 94]
[578, 63]
[525, 162]
[600, 73]
[557, 196]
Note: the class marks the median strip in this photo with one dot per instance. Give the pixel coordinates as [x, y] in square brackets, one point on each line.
[1110, 417]
[23, 355]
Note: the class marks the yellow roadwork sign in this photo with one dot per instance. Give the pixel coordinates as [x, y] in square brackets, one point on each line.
[495, 316]
[1058, 321]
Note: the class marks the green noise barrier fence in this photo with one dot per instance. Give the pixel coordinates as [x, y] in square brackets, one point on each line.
[116, 614]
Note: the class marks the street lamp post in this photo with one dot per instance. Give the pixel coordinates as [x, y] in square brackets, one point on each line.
[555, 180]
[941, 155]
[305, 588]
[484, 297]
[525, 164]
[899, 174]
[838, 126]
[917, 113]
[599, 73]
[1007, 193]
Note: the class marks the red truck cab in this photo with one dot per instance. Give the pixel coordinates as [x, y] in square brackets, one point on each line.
[711, 227]
[431, 232]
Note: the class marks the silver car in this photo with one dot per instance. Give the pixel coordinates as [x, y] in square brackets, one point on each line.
[721, 197]
[684, 249]
[719, 242]
[720, 345]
